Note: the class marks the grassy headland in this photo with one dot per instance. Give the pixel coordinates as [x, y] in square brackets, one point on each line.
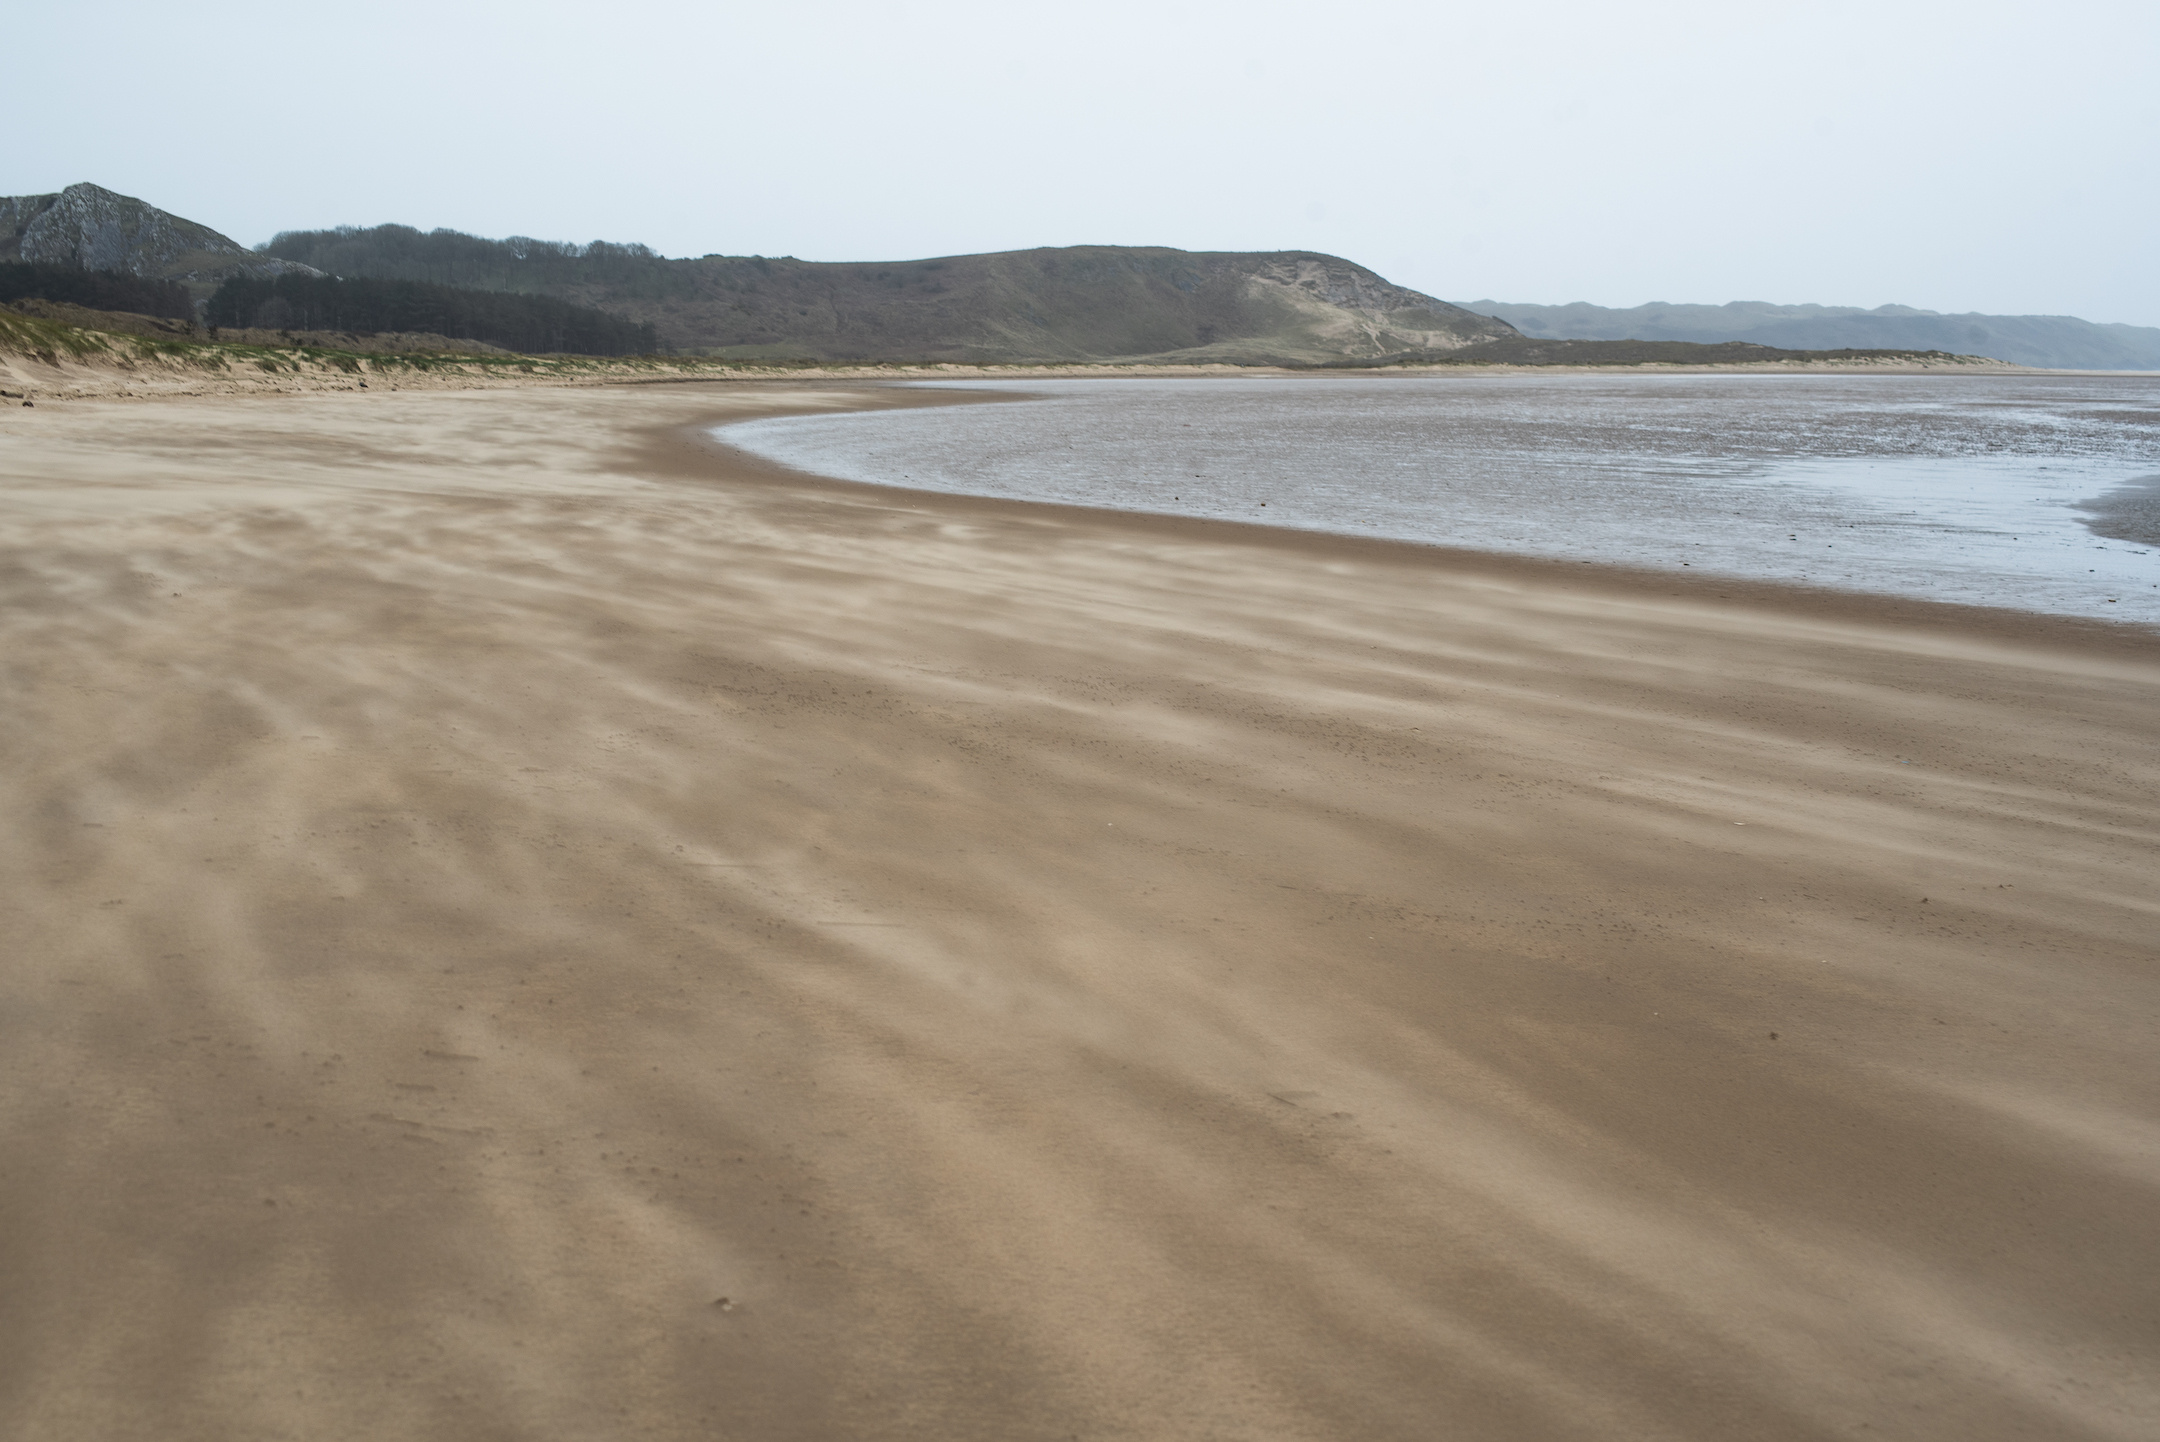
[1084, 304]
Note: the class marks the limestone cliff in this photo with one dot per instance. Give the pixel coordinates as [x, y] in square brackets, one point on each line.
[97, 229]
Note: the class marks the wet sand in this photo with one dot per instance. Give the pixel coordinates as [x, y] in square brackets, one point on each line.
[490, 875]
[2126, 513]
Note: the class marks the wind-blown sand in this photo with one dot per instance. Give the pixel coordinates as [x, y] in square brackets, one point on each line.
[488, 875]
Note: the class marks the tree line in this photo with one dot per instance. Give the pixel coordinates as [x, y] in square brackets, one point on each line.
[451, 257]
[95, 289]
[533, 324]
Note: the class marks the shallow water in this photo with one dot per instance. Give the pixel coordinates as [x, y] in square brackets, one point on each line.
[1990, 490]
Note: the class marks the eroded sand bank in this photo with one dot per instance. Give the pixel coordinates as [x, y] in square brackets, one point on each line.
[486, 876]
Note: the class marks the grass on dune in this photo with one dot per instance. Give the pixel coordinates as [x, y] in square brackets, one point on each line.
[54, 343]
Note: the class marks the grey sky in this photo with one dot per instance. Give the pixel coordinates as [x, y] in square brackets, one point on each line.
[1969, 156]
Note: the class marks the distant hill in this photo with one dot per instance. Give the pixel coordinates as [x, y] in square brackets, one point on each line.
[93, 228]
[1523, 350]
[1077, 303]
[2034, 340]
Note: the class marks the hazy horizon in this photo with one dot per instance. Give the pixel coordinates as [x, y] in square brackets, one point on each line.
[1956, 159]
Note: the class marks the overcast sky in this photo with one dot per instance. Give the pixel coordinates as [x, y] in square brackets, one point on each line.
[1968, 156]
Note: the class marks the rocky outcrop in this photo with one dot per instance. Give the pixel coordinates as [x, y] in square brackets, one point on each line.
[97, 229]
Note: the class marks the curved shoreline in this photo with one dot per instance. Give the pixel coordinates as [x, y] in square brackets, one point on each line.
[2007, 623]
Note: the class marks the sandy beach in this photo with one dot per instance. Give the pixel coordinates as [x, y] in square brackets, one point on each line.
[526, 924]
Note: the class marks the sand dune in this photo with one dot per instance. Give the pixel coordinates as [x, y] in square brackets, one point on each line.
[489, 876]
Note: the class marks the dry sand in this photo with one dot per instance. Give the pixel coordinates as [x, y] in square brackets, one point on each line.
[487, 876]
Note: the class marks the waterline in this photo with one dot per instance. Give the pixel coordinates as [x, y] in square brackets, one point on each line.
[1965, 489]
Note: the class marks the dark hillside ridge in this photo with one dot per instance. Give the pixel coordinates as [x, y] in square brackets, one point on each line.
[1072, 304]
[114, 290]
[2057, 341]
[531, 324]
[90, 228]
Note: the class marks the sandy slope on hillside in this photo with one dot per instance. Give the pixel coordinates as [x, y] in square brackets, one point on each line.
[487, 878]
